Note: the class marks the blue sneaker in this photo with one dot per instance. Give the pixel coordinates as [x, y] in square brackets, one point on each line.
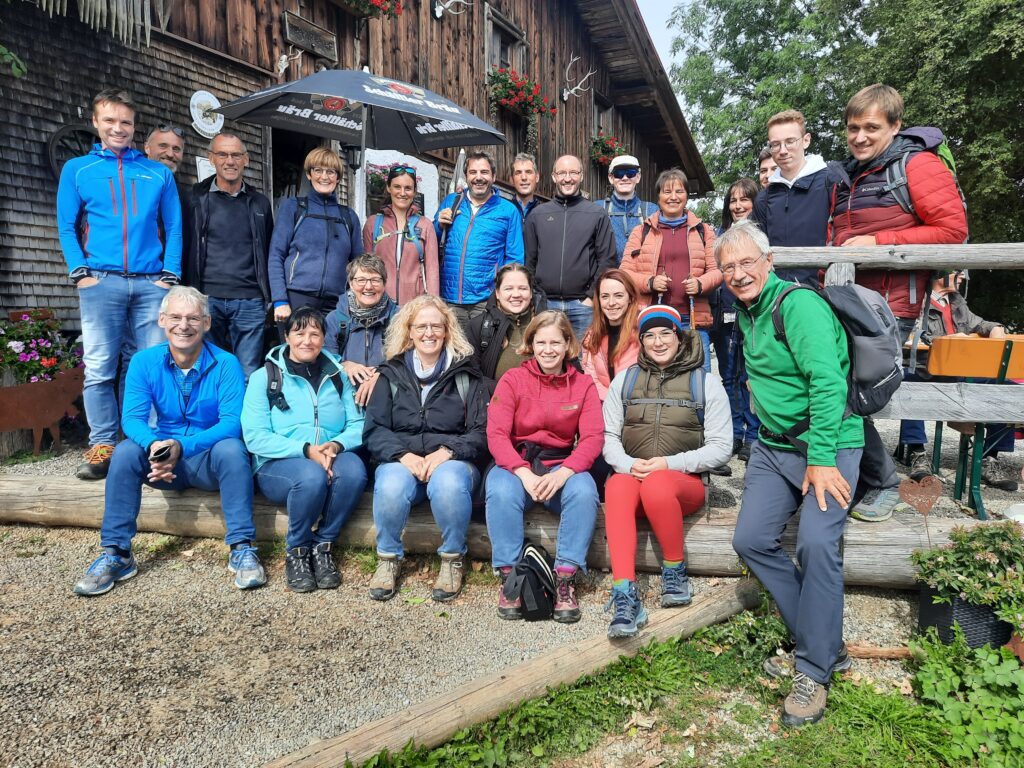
[675, 587]
[104, 571]
[246, 565]
[630, 615]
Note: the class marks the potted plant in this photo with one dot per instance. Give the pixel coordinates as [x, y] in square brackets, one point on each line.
[975, 581]
[518, 94]
[603, 148]
[389, 9]
[1010, 607]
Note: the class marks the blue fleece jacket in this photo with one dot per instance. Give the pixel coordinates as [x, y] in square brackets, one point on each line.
[626, 215]
[312, 417]
[213, 411]
[110, 208]
[479, 244]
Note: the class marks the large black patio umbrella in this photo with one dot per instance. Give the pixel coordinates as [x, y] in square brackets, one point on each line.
[363, 110]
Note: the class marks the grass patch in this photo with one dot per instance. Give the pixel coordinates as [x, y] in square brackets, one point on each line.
[364, 559]
[166, 546]
[26, 457]
[272, 550]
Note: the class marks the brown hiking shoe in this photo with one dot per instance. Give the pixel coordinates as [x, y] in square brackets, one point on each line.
[997, 475]
[805, 703]
[384, 584]
[567, 610]
[510, 610]
[96, 464]
[449, 580]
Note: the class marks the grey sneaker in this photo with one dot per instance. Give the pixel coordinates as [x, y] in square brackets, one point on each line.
[878, 505]
[805, 703]
[920, 464]
[675, 587]
[105, 571]
[246, 565]
[996, 475]
[784, 664]
[384, 584]
[449, 580]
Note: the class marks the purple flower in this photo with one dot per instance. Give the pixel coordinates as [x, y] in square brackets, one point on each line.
[34, 379]
[23, 358]
[25, 317]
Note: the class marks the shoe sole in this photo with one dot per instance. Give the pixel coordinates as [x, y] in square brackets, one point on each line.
[328, 584]
[243, 585]
[674, 602]
[869, 518]
[443, 597]
[793, 721]
[509, 614]
[618, 632]
[110, 586]
[568, 619]
[382, 596]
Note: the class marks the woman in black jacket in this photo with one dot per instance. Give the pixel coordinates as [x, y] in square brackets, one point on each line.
[496, 334]
[426, 428]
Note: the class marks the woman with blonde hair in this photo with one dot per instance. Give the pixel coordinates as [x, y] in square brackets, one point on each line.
[426, 429]
[611, 343]
[544, 430]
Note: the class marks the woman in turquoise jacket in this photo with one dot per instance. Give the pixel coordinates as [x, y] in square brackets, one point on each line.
[301, 425]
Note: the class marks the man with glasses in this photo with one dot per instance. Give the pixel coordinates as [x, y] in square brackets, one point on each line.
[479, 232]
[569, 242]
[799, 379]
[109, 205]
[793, 208]
[196, 391]
[623, 206]
[232, 226]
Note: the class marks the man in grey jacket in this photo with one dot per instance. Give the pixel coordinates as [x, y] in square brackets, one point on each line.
[569, 243]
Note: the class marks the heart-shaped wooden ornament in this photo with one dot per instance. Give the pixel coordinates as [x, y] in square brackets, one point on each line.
[921, 495]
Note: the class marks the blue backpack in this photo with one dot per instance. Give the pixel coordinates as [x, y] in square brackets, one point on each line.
[696, 391]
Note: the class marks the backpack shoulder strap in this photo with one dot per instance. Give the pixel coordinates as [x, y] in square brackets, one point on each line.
[301, 211]
[486, 332]
[378, 227]
[697, 377]
[632, 373]
[701, 233]
[342, 337]
[275, 383]
[643, 236]
[414, 235]
[896, 183]
[777, 323]
[462, 385]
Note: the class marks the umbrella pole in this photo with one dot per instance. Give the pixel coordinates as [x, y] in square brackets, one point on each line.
[362, 147]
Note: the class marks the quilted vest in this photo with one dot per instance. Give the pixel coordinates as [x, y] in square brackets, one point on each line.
[656, 429]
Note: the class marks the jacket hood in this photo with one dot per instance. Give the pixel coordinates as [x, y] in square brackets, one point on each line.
[812, 164]
[692, 219]
[909, 140]
[687, 358]
[129, 153]
[276, 356]
[558, 379]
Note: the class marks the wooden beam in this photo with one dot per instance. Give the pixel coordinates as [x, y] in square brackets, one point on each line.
[975, 256]
[434, 721]
[957, 401]
[876, 554]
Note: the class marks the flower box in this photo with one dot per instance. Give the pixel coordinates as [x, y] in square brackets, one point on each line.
[978, 622]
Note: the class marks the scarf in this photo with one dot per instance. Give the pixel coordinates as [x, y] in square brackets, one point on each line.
[434, 375]
[673, 223]
[367, 316]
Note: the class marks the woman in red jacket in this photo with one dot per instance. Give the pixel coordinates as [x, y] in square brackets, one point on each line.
[610, 345]
[404, 240]
[544, 430]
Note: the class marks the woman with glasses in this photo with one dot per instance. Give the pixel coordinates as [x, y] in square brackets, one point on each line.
[314, 239]
[426, 429]
[670, 258]
[302, 434]
[666, 421]
[497, 334]
[356, 328]
[610, 345]
[545, 431]
[403, 239]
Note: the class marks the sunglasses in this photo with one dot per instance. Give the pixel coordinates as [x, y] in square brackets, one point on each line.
[164, 127]
[625, 173]
[398, 170]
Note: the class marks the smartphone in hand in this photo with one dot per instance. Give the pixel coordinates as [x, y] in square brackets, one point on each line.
[161, 454]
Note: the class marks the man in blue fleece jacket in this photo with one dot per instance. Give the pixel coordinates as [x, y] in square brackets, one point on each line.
[196, 390]
[112, 205]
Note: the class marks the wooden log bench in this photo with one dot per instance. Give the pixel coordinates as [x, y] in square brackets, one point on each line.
[876, 554]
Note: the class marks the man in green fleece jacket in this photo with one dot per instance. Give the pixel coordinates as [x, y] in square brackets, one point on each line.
[804, 379]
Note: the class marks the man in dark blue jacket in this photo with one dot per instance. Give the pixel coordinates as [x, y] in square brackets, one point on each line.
[233, 224]
[196, 390]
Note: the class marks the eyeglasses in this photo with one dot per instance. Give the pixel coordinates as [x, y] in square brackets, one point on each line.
[746, 265]
[226, 155]
[328, 172]
[626, 173]
[567, 174]
[361, 282]
[164, 127]
[422, 328]
[776, 146]
[652, 337]
[192, 320]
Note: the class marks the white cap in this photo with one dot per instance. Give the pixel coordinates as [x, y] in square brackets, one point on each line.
[627, 160]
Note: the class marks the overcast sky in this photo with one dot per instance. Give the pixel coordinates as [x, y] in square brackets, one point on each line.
[656, 13]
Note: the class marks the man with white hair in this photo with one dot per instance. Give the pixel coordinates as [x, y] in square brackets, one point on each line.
[196, 390]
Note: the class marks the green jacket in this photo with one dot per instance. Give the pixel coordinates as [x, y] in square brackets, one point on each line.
[787, 386]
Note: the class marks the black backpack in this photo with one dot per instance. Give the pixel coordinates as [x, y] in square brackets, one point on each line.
[532, 581]
[275, 394]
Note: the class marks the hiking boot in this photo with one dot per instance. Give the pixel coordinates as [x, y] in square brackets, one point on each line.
[805, 703]
[96, 464]
[878, 504]
[449, 579]
[105, 570]
[384, 584]
[784, 664]
[298, 570]
[630, 615]
[510, 610]
[245, 564]
[920, 464]
[567, 610]
[737, 445]
[324, 569]
[722, 471]
[744, 452]
[996, 475]
[675, 587]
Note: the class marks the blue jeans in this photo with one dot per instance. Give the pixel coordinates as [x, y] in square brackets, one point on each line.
[576, 504]
[236, 325]
[450, 490]
[119, 316]
[225, 467]
[302, 485]
[578, 313]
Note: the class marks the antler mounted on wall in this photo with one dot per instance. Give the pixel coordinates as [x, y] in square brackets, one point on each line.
[577, 89]
[448, 6]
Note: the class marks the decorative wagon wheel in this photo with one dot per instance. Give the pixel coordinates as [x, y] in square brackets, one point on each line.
[68, 142]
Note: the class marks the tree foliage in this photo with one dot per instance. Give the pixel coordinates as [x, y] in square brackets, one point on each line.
[959, 65]
[9, 61]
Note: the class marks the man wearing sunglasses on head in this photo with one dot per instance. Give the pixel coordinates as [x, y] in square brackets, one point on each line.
[166, 145]
[624, 207]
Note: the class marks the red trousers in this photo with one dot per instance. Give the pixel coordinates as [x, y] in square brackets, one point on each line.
[666, 497]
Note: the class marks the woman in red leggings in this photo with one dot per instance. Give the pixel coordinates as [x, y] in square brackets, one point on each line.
[666, 422]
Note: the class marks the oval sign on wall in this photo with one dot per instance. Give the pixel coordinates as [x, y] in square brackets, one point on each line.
[205, 122]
